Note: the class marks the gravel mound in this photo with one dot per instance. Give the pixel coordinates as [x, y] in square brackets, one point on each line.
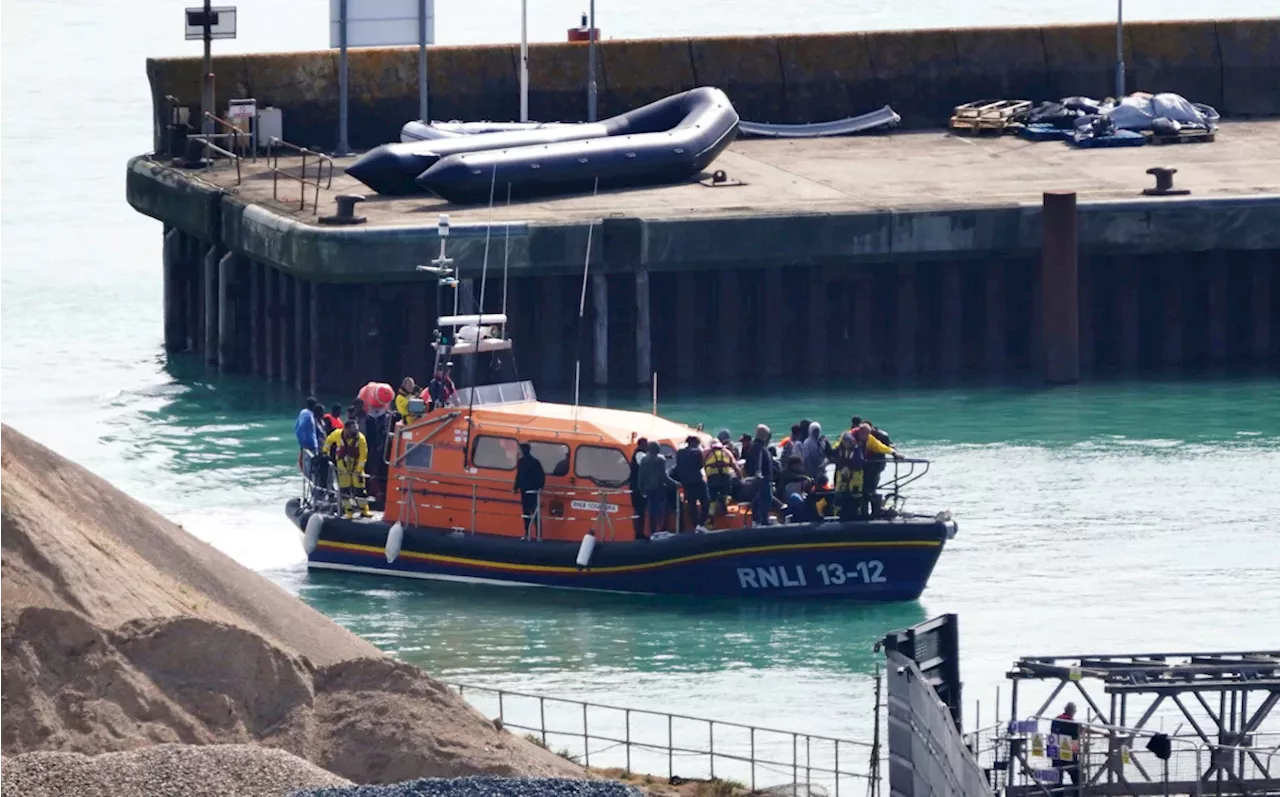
[168, 770]
[120, 630]
[480, 787]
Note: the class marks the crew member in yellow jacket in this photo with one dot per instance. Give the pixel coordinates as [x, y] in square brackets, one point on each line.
[349, 450]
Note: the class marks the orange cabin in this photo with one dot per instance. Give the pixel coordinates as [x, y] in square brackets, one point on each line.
[455, 468]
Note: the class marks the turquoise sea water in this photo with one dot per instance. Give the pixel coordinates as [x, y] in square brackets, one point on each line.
[1112, 516]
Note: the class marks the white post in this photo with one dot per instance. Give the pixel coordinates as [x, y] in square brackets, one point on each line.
[524, 60]
[1119, 49]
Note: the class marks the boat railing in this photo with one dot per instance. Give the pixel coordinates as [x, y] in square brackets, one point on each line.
[603, 505]
[683, 746]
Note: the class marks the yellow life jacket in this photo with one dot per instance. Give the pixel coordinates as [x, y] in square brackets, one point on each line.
[718, 463]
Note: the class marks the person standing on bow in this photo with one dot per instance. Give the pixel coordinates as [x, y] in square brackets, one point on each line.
[720, 466]
[655, 482]
[347, 448]
[760, 466]
[697, 498]
[531, 477]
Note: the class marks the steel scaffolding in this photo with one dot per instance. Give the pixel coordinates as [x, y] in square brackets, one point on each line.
[1237, 750]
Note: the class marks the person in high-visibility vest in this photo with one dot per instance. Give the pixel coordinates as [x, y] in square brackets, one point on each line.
[349, 451]
[721, 466]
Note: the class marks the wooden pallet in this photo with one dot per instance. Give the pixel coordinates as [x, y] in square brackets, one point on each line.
[989, 116]
[1185, 137]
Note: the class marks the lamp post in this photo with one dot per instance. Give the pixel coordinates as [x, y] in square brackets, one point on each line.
[344, 148]
[524, 60]
[206, 89]
[1119, 49]
[591, 63]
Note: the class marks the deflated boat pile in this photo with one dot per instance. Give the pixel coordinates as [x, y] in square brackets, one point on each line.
[120, 631]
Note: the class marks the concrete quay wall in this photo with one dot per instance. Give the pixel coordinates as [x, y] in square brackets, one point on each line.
[1232, 64]
[904, 294]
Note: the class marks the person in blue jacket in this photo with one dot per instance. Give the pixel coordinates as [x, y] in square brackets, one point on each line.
[306, 429]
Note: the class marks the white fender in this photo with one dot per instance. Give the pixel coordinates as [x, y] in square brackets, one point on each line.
[395, 538]
[315, 524]
[585, 550]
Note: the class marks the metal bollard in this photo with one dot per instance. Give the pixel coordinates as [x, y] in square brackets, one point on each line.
[1164, 182]
[346, 210]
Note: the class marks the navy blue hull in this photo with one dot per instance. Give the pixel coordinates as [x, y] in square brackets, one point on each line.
[866, 561]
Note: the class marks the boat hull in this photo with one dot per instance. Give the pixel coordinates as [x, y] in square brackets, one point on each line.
[863, 561]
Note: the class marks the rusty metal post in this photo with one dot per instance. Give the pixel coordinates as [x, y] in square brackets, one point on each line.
[1059, 289]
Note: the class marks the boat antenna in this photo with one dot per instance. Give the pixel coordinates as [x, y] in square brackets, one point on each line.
[484, 274]
[506, 259]
[582, 307]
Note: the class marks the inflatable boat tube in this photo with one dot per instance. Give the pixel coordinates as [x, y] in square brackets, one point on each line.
[668, 140]
[885, 117]
[392, 168]
[420, 131]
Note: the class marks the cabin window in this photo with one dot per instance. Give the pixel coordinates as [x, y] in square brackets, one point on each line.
[604, 466]
[419, 456]
[499, 453]
[553, 456]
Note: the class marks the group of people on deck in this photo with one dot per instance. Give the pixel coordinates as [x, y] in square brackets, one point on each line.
[355, 446]
[792, 476]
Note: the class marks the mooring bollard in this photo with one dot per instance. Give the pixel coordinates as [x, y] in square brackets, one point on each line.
[346, 210]
[1164, 182]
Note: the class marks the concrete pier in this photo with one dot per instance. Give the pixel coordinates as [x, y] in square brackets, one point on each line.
[887, 257]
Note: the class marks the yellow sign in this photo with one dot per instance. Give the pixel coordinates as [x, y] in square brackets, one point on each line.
[1037, 745]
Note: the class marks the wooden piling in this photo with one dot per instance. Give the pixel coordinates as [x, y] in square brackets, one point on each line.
[907, 324]
[301, 334]
[1174, 319]
[995, 311]
[1126, 299]
[1085, 309]
[270, 326]
[174, 310]
[950, 321]
[728, 331]
[209, 294]
[227, 297]
[815, 344]
[687, 308]
[553, 342]
[860, 347]
[600, 326]
[1060, 289]
[257, 318]
[1260, 300]
[191, 293]
[284, 322]
[644, 343]
[1217, 308]
[315, 321]
[774, 297]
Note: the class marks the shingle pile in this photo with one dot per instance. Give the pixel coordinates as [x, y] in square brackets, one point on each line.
[481, 786]
[167, 770]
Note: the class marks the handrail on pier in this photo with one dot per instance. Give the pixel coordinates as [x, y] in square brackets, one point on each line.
[323, 178]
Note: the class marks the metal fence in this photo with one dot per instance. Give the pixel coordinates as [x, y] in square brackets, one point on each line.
[659, 743]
